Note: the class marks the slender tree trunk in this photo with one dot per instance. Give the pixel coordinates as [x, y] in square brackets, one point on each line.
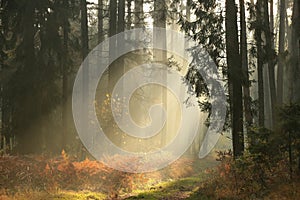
[295, 53]
[121, 16]
[188, 10]
[271, 64]
[65, 76]
[160, 39]
[138, 13]
[129, 20]
[159, 20]
[258, 37]
[85, 51]
[234, 71]
[100, 21]
[287, 83]
[84, 29]
[1, 84]
[281, 50]
[244, 57]
[112, 43]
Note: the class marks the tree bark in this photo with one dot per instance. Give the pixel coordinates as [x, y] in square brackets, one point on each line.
[160, 56]
[84, 29]
[85, 51]
[121, 16]
[129, 20]
[65, 76]
[100, 21]
[159, 20]
[112, 43]
[258, 37]
[271, 62]
[244, 57]
[234, 70]
[138, 13]
[281, 50]
[295, 53]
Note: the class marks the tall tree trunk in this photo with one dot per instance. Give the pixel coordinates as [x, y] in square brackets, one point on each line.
[295, 53]
[271, 64]
[84, 29]
[85, 51]
[112, 43]
[138, 13]
[100, 21]
[2, 39]
[159, 20]
[129, 20]
[65, 75]
[121, 16]
[281, 50]
[234, 71]
[188, 9]
[244, 57]
[295, 58]
[160, 39]
[258, 37]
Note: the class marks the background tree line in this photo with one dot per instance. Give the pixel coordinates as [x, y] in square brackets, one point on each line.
[255, 44]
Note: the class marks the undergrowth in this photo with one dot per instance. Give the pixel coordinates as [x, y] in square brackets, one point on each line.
[42, 174]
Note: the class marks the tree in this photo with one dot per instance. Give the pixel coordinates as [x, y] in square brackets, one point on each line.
[65, 73]
[160, 20]
[270, 56]
[138, 13]
[234, 80]
[244, 57]
[84, 29]
[259, 55]
[100, 21]
[121, 16]
[160, 39]
[84, 53]
[129, 17]
[281, 50]
[295, 53]
[112, 43]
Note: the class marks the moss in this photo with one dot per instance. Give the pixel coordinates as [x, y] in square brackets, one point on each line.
[60, 195]
[180, 189]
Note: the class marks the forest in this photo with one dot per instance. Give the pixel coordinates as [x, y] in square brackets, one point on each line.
[149, 99]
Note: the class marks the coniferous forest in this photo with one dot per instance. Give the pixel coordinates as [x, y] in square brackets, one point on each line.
[149, 99]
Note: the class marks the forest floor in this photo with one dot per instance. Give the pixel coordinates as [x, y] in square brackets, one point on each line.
[61, 178]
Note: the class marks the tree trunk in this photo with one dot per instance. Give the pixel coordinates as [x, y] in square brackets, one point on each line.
[85, 51]
[129, 20]
[138, 13]
[100, 21]
[234, 71]
[84, 29]
[112, 43]
[244, 57]
[121, 16]
[281, 50]
[295, 53]
[65, 76]
[160, 39]
[159, 20]
[271, 62]
[258, 37]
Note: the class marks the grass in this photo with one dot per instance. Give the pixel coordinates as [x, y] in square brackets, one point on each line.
[58, 195]
[180, 189]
